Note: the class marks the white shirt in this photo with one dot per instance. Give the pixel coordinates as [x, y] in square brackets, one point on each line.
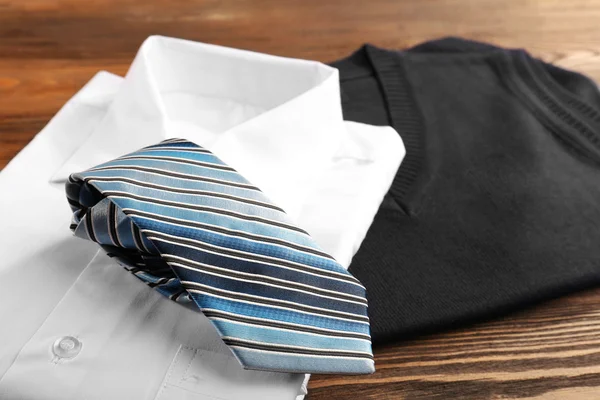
[277, 121]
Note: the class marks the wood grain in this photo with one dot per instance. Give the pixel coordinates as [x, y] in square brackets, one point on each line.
[50, 48]
[551, 352]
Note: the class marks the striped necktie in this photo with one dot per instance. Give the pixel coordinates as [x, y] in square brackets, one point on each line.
[189, 225]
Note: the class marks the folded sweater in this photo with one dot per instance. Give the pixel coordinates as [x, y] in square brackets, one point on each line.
[497, 203]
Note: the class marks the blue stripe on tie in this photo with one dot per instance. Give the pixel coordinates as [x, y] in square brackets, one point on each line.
[193, 199]
[287, 337]
[255, 267]
[270, 292]
[226, 176]
[260, 311]
[224, 221]
[264, 293]
[202, 157]
[250, 245]
[300, 363]
[179, 143]
[181, 183]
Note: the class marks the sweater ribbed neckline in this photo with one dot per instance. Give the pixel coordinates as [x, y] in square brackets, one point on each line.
[405, 118]
[565, 113]
[572, 118]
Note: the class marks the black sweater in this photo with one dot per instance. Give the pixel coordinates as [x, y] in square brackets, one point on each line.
[497, 203]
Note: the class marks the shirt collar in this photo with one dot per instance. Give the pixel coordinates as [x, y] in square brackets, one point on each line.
[277, 120]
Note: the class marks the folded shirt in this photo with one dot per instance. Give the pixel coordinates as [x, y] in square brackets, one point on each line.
[80, 326]
[497, 202]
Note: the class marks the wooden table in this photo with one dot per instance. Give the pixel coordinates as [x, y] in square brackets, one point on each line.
[50, 48]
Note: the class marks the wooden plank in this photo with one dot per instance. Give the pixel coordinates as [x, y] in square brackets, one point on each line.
[552, 351]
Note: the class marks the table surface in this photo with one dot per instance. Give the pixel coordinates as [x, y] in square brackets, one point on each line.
[50, 48]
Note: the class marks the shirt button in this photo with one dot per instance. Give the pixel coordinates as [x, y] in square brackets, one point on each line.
[66, 347]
